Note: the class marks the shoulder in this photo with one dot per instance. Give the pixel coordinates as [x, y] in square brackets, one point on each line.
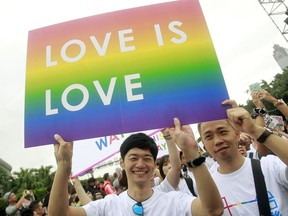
[11, 209]
[272, 164]
[98, 207]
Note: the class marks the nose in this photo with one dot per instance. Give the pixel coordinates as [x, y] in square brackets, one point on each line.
[140, 163]
[217, 140]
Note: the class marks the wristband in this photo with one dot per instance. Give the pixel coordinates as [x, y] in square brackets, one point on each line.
[196, 162]
[264, 136]
[259, 112]
[167, 137]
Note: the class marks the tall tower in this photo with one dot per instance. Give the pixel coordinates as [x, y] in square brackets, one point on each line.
[278, 13]
[280, 54]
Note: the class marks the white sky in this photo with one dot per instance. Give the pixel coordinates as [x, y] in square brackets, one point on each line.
[242, 33]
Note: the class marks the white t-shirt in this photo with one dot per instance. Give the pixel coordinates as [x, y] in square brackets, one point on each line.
[165, 186]
[238, 192]
[160, 203]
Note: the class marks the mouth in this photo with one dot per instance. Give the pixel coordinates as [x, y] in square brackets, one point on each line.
[221, 150]
[139, 172]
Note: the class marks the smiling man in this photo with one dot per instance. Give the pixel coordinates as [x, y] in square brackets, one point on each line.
[234, 176]
[138, 159]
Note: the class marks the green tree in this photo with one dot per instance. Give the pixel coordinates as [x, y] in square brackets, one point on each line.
[5, 181]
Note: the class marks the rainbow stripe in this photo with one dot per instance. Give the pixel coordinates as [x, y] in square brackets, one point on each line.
[179, 79]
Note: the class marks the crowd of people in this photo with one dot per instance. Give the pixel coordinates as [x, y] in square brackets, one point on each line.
[243, 171]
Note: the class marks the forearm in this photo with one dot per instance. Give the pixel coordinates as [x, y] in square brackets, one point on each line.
[276, 144]
[208, 192]
[173, 176]
[283, 108]
[84, 198]
[58, 202]
[280, 105]
[20, 202]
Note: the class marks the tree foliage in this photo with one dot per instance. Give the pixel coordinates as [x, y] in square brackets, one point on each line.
[37, 180]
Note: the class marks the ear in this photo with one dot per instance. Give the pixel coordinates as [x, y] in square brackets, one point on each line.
[122, 163]
[238, 135]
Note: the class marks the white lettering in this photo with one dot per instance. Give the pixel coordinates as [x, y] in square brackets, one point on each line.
[101, 50]
[49, 111]
[183, 36]
[130, 86]
[82, 52]
[159, 35]
[123, 40]
[81, 104]
[49, 62]
[106, 99]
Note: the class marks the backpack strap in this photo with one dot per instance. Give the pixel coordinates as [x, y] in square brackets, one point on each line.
[261, 190]
[189, 183]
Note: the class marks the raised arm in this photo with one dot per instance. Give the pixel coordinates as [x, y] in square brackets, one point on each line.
[259, 119]
[84, 198]
[173, 175]
[209, 201]
[58, 202]
[242, 121]
[278, 103]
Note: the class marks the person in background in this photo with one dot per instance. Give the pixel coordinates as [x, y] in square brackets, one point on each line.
[116, 180]
[91, 186]
[14, 206]
[37, 207]
[107, 186]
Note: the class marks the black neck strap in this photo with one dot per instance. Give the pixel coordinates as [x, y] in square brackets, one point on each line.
[261, 190]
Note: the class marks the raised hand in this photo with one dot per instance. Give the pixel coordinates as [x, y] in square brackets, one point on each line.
[240, 118]
[183, 136]
[63, 152]
[256, 99]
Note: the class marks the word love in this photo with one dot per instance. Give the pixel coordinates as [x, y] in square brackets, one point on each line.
[124, 36]
[105, 97]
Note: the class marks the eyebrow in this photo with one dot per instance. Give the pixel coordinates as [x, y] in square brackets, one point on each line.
[217, 129]
[137, 155]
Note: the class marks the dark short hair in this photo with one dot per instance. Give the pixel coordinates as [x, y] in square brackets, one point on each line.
[141, 141]
[105, 176]
[27, 212]
[34, 205]
[91, 180]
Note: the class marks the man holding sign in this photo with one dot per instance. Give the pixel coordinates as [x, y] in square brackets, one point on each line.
[138, 155]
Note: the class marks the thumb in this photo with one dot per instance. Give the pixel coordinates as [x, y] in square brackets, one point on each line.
[58, 138]
[177, 125]
[230, 102]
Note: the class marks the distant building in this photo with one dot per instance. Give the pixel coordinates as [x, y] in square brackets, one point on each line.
[5, 166]
[280, 54]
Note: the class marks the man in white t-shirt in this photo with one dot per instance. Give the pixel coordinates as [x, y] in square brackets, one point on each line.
[138, 159]
[234, 177]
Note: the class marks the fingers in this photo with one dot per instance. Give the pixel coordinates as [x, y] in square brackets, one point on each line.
[165, 131]
[230, 102]
[177, 125]
[58, 138]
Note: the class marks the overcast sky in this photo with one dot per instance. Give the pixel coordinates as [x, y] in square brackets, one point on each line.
[242, 33]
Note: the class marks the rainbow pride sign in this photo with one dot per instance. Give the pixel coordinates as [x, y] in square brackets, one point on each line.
[120, 72]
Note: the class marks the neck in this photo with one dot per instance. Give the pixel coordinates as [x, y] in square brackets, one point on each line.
[139, 194]
[229, 166]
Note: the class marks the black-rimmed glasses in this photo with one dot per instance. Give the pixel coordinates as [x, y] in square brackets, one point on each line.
[138, 209]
